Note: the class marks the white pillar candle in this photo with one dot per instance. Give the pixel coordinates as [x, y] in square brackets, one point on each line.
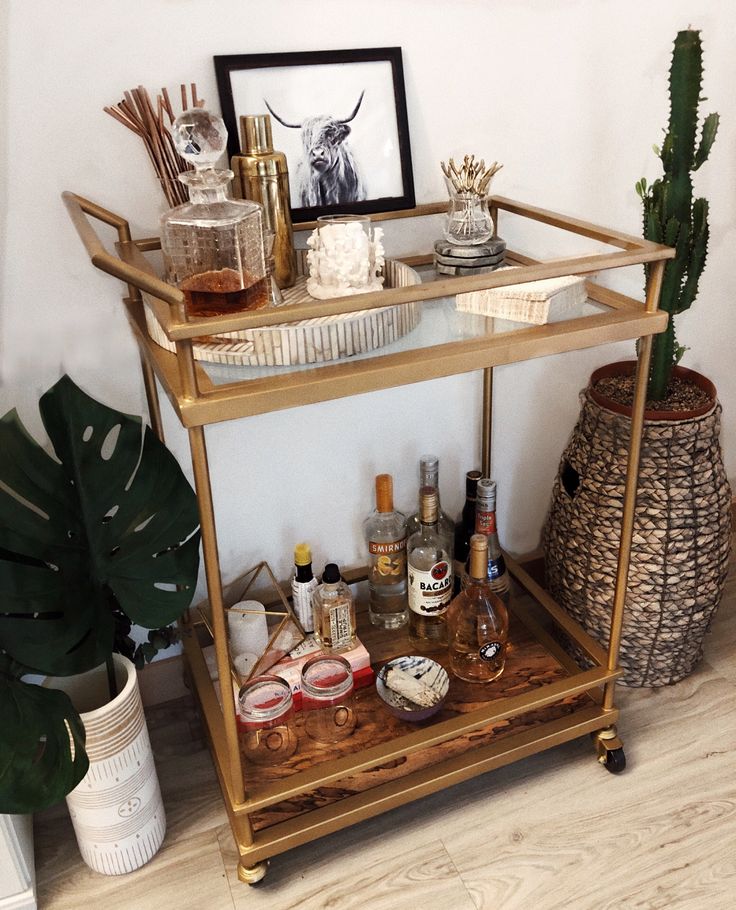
[245, 662]
[248, 632]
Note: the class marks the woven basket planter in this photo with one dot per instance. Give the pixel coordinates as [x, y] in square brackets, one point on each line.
[681, 541]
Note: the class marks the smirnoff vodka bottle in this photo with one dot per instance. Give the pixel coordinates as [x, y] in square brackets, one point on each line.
[385, 536]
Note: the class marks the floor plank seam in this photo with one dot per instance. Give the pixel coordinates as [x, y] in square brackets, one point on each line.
[459, 874]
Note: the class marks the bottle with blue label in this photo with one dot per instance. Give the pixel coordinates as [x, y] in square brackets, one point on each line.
[485, 523]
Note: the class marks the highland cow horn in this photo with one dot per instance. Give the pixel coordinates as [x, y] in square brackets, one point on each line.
[291, 126]
[357, 107]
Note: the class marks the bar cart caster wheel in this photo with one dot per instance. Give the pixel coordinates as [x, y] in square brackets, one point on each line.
[610, 750]
[251, 875]
[614, 760]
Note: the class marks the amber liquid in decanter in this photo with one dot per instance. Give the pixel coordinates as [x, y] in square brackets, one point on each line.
[217, 292]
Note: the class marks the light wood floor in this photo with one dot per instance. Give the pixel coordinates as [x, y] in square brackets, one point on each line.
[553, 832]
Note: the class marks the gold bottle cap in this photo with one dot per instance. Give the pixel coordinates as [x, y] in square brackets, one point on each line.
[478, 556]
[384, 493]
[428, 505]
[302, 554]
[255, 134]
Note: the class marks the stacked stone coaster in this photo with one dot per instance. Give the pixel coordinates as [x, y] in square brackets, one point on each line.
[454, 259]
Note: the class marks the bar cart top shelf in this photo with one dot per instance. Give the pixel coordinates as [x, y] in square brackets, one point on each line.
[202, 395]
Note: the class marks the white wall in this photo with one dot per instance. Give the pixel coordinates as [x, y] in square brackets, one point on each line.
[570, 95]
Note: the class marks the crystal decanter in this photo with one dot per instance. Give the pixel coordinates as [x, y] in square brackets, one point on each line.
[213, 245]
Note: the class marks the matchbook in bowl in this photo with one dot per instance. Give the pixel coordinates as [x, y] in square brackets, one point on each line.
[413, 688]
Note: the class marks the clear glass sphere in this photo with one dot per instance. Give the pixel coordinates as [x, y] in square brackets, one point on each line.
[200, 137]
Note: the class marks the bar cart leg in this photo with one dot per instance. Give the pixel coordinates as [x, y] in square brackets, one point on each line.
[251, 875]
[154, 407]
[609, 746]
[214, 589]
[487, 422]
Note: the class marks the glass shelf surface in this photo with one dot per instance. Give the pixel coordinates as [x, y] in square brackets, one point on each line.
[440, 323]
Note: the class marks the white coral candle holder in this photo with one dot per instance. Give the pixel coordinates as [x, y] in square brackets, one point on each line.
[345, 257]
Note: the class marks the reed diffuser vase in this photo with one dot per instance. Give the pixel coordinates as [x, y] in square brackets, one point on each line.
[469, 219]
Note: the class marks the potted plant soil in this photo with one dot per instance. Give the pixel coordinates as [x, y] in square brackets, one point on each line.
[682, 524]
[101, 536]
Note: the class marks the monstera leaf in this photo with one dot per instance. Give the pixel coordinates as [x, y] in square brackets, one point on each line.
[110, 523]
[106, 529]
[42, 753]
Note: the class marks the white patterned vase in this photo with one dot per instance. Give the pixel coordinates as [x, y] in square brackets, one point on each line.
[116, 810]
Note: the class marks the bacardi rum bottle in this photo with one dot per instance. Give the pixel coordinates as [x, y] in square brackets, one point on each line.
[477, 622]
[385, 536]
[430, 578]
[485, 523]
[429, 476]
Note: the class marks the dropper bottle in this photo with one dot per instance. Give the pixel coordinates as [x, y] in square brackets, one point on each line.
[303, 585]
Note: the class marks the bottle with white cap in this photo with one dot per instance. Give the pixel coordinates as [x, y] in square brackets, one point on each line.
[429, 476]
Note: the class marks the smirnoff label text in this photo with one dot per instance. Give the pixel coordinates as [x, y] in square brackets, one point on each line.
[386, 547]
[388, 560]
[430, 591]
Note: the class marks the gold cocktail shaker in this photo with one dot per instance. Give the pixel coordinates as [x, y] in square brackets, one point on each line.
[262, 176]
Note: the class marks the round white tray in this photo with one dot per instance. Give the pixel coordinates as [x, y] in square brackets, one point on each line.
[311, 340]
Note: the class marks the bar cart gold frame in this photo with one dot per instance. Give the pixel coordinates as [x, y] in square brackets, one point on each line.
[198, 402]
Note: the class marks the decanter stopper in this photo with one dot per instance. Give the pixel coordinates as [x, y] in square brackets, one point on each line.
[200, 138]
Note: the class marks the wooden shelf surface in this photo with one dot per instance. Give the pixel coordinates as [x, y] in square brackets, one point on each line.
[528, 667]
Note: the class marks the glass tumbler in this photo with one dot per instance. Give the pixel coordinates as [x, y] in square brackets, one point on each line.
[266, 712]
[468, 219]
[327, 698]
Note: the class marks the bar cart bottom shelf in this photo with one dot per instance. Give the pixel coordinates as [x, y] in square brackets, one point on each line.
[540, 701]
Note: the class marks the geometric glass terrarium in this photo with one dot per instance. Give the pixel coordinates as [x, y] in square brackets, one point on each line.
[260, 619]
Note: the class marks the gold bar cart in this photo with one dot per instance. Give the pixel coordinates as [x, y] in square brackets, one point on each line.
[546, 698]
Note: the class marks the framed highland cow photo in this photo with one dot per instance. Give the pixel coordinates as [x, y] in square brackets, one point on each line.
[340, 118]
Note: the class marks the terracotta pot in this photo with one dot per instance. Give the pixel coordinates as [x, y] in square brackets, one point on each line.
[116, 809]
[628, 368]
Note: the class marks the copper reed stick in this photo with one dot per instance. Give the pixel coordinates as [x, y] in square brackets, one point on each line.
[138, 113]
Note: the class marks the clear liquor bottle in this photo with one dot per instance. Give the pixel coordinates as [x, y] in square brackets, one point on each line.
[465, 528]
[334, 612]
[430, 578]
[477, 622]
[429, 476]
[385, 536]
[485, 523]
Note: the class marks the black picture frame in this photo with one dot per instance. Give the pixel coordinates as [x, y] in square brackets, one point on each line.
[301, 83]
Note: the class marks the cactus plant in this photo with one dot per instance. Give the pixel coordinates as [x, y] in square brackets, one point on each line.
[671, 215]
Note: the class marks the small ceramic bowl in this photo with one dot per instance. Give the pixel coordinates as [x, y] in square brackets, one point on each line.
[429, 672]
